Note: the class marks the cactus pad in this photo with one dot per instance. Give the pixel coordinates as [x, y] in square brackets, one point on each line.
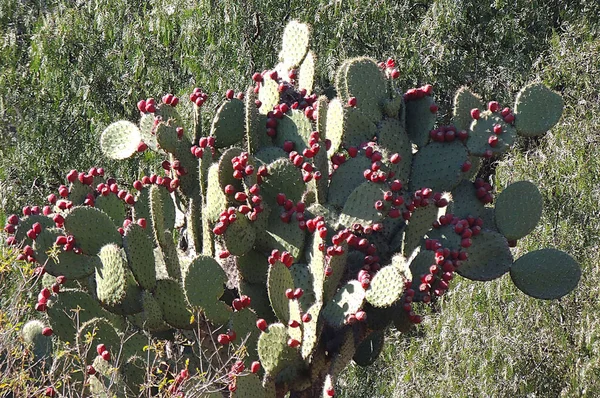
[147, 132]
[253, 266]
[94, 332]
[228, 124]
[268, 95]
[464, 102]
[170, 297]
[346, 178]
[537, 110]
[420, 120]
[369, 349]
[248, 386]
[306, 74]
[546, 274]
[294, 127]
[386, 287]
[295, 43]
[120, 140]
[518, 209]
[489, 257]
[204, 283]
[360, 206]
[273, 351]
[438, 166]
[239, 236]
[67, 263]
[464, 201]
[113, 207]
[92, 229]
[482, 130]
[115, 284]
[279, 280]
[348, 299]
[40, 345]
[364, 80]
[140, 256]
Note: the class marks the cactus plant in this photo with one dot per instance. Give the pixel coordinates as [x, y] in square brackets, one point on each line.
[328, 218]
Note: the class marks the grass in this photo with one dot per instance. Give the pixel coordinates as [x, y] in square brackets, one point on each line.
[67, 69]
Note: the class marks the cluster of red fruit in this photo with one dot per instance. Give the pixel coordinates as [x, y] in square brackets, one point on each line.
[198, 97]
[44, 295]
[484, 191]
[203, 143]
[289, 209]
[418, 93]
[389, 68]
[300, 160]
[171, 184]
[285, 257]
[448, 134]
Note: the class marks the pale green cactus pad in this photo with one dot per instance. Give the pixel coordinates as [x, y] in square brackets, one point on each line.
[120, 140]
[545, 274]
[348, 300]
[386, 287]
[464, 102]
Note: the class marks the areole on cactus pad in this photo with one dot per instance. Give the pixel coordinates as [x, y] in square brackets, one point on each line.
[326, 220]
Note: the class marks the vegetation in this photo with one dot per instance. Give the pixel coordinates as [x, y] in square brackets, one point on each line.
[529, 347]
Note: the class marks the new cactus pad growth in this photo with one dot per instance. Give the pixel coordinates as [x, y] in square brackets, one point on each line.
[311, 224]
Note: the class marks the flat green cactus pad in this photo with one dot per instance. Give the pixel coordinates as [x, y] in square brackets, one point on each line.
[253, 266]
[280, 235]
[420, 222]
[256, 136]
[335, 125]
[546, 274]
[537, 109]
[240, 236]
[228, 126]
[270, 154]
[446, 236]
[360, 206]
[168, 114]
[346, 301]
[162, 211]
[296, 36]
[489, 257]
[216, 200]
[311, 331]
[268, 95]
[464, 201]
[40, 345]
[68, 264]
[27, 222]
[94, 332]
[248, 386]
[285, 178]
[120, 140]
[316, 265]
[518, 209]
[279, 280]
[464, 102]
[358, 128]
[113, 207]
[369, 349]
[140, 256]
[204, 283]
[306, 74]
[386, 287]
[92, 229]
[151, 318]
[294, 127]
[244, 324]
[438, 166]
[107, 382]
[303, 279]
[419, 262]
[420, 120]
[166, 136]
[273, 351]
[147, 132]
[170, 297]
[482, 130]
[76, 304]
[392, 136]
[116, 287]
[365, 81]
[338, 264]
[346, 178]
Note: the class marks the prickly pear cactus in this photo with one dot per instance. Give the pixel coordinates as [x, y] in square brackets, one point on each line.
[307, 224]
